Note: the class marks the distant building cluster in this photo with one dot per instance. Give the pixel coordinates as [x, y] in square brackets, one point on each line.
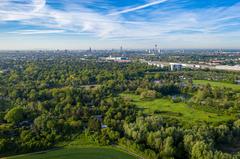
[226, 67]
[156, 63]
[179, 66]
[117, 59]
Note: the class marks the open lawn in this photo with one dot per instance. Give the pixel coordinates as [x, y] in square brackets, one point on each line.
[217, 84]
[78, 153]
[178, 110]
[81, 148]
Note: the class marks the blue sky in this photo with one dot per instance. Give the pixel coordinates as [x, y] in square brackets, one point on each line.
[78, 24]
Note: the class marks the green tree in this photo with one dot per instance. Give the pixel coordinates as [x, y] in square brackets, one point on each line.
[15, 115]
[168, 150]
[94, 124]
[3, 145]
[201, 150]
[148, 95]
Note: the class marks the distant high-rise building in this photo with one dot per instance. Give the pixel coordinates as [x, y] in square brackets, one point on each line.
[90, 49]
[156, 48]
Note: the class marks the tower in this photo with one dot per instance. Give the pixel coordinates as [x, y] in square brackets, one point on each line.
[156, 48]
[121, 49]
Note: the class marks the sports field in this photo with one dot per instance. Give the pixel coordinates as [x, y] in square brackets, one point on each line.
[178, 110]
[217, 84]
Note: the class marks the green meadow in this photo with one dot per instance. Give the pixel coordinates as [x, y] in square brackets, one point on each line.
[78, 153]
[217, 84]
[80, 148]
[180, 110]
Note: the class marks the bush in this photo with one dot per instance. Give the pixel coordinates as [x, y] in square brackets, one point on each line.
[148, 95]
[176, 99]
[15, 115]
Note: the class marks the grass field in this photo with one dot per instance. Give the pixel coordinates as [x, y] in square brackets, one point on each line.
[178, 110]
[78, 153]
[217, 84]
[81, 148]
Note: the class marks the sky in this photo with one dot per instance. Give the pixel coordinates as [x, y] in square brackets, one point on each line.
[107, 24]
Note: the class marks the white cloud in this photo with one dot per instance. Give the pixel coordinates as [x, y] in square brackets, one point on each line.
[157, 24]
[32, 32]
[20, 10]
[138, 7]
[37, 13]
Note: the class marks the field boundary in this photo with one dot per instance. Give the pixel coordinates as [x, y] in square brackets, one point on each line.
[128, 151]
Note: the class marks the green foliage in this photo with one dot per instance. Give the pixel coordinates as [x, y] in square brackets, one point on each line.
[180, 110]
[148, 95]
[67, 101]
[201, 150]
[168, 150]
[3, 145]
[15, 115]
[94, 124]
[217, 84]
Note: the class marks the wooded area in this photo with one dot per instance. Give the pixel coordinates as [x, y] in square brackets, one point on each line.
[46, 102]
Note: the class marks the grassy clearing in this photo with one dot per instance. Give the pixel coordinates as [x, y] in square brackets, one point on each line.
[217, 84]
[178, 110]
[81, 148]
[78, 153]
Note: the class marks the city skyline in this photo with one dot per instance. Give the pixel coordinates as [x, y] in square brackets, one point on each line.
[62, 24]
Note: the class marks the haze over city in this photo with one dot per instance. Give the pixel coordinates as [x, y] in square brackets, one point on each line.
[106, 24]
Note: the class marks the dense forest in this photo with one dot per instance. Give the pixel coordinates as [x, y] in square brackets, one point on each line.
[47, 101]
